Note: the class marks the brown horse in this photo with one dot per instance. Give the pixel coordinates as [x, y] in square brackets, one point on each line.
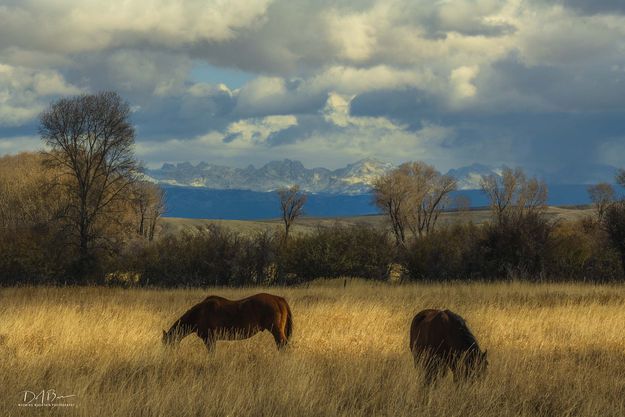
[217, 318]
[441, 339]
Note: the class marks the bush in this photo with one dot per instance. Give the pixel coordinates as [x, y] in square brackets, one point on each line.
[503, 250]
[582, 251]
[444, 254]
[614, 225]
[515, 248]
[356, 251]
[216, 256]
[206, 256]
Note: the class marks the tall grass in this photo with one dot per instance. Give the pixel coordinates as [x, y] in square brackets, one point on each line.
[554, 350]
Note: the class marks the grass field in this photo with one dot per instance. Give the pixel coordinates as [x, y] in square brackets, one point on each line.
[173, 225]
[554, 350]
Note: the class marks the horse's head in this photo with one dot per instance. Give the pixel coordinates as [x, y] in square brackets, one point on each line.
[169, 338]
[480, 363]
[475, 363]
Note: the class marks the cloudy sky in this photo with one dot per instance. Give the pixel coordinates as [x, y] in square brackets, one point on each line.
[536, 83]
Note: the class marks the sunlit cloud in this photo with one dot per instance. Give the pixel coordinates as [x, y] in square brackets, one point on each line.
[535, 83]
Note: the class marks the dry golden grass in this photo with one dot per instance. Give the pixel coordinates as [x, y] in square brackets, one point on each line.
[555, 350]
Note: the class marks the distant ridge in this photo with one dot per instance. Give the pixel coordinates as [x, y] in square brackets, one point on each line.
[353, 179]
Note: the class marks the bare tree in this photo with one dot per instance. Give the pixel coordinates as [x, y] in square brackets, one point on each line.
[601, 195]
[501, 190]
[292, 202]
[613, 220]
[26, 196]
[392, 194]
[157, 209]
[148, 205]
[532, 197]
[512, 195]
[413, 196]
[91, 141]
[620, 177]
[430, 195]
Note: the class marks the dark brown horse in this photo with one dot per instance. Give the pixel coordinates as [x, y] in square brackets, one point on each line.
[217, 318]
[441, 339]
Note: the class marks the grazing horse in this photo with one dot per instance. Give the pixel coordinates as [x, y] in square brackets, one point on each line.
[441, 339]
[217, 318]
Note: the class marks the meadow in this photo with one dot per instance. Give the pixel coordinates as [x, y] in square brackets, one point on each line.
[554, 350]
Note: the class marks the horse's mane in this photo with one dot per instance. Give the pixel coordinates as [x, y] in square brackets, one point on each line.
[465, 334]
[186, 322]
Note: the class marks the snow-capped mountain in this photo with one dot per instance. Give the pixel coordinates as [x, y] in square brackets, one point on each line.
[355, 178]
[469, 177]
[216, 191]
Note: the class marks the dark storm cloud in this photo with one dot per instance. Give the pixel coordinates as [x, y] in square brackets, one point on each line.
[273, 96]
[184, 116]
[595, 88]
[546, 141]
[537, 83]
[596, 6]
[408, 106]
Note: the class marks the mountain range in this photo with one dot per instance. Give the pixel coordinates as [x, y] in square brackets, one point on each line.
[356, 178]
[221, 192]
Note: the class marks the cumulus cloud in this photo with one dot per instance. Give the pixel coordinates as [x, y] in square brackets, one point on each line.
[86, 25]
[353, 35]
[332, 80]
[18, 144]
[462, 82]
[23, 92]
[256, 131]
[340, 137]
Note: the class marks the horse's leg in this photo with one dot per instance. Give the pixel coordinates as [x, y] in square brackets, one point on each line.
[279, 337]
[418, 356]
[275, 324]
[432, 368]
[461, 372]
[209, 340]
[459, 368]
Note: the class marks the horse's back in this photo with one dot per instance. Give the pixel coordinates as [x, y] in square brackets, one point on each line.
[260, 309]
[441, 332]
[266, 298]
[216, 300]
[265, 303]
[429, 330]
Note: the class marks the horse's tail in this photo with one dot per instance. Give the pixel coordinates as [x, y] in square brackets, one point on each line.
[288, 328]
[413, 328]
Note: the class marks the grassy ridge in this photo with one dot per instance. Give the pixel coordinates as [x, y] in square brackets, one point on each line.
[555, 350]
[306, 224]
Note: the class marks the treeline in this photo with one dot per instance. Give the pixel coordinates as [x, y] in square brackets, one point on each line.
[529, 247]
[67, 213]
[80, 213]
[218, 256]
[39, 235]
[518, 242]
